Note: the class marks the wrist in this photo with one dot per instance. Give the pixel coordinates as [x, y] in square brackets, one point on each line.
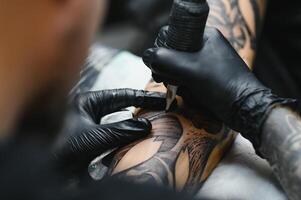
[253, 110]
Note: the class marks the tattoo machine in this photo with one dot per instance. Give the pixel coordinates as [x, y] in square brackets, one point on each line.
[185, 32]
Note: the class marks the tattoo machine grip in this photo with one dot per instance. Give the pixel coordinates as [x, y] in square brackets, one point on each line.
[185, 31]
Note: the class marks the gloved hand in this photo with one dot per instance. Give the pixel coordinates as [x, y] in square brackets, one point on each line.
[216, 78]
[89, 139]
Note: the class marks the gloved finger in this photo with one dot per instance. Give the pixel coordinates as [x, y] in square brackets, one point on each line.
[159, 79]
[183, 92]
[166, 63]
[100, 103]
[189, 98]
[93, 142]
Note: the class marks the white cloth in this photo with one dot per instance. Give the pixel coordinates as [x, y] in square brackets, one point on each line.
[240, 175]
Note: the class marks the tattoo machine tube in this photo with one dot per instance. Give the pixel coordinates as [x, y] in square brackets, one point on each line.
[185, 32]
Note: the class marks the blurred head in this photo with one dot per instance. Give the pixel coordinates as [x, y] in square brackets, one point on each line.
[43, 45]
[48, 39]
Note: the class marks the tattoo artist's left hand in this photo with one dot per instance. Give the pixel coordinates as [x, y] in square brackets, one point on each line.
[90, 139]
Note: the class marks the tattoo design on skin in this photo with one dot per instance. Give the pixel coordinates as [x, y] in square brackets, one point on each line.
[239, 21]
[181, 152]
[281, 145]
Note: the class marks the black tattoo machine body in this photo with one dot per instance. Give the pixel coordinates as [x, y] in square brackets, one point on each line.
[184, 32]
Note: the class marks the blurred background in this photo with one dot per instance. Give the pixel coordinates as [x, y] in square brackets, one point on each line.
[133, 25]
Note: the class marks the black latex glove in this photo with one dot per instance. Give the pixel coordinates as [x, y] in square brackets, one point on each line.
[88, 139]
[217, 79]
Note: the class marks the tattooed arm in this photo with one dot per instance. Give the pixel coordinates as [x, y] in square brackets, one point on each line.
[240, 22]
[180, 153]
[281, 145]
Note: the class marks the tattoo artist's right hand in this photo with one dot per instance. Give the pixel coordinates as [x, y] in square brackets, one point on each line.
[217, 79]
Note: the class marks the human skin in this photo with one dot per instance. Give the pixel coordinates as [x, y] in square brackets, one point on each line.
[43, 46]
[180, 153]
[240, 22]
[280, 145]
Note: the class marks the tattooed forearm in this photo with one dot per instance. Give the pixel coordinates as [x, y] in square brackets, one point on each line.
[239, 21]
[281, 146]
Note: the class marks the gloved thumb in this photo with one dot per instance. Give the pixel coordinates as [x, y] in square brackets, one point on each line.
[125, 132]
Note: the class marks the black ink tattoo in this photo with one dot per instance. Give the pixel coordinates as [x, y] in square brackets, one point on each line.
[184, 157]
[281, 146]
[228, 17]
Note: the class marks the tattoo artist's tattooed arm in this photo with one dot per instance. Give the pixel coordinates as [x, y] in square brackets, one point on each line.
[240, 22]
[281, 146]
